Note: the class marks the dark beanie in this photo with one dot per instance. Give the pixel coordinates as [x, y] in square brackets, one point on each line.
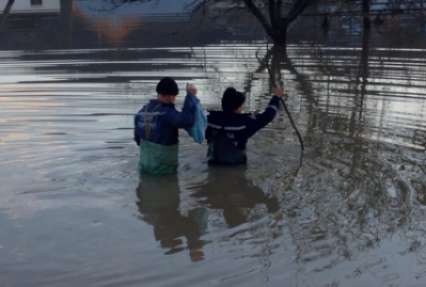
[167, 86]
[232, 100]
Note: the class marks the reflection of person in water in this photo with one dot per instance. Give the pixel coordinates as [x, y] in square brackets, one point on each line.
[159, 205]
[228, 189]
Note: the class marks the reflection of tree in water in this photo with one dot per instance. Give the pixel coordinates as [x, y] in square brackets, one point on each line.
[351, 193]
[349, 198]
[275, 60]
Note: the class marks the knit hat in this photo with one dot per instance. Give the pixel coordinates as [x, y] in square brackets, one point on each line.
[167, 86]
[232, 100]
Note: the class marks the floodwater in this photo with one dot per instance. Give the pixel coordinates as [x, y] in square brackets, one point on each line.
[74, 212]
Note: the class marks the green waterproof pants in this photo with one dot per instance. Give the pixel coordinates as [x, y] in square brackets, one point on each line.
[157, 159]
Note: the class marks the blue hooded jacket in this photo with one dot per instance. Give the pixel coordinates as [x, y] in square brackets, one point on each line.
[158, 122]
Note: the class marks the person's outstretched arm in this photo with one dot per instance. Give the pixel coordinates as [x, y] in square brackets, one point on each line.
[261, 120]
[186, 118]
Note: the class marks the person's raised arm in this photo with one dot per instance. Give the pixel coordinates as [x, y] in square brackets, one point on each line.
[186, 118]
[262, 119]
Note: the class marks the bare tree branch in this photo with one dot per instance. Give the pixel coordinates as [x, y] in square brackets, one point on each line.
[260, 17]
[6, 13]
[297, 9]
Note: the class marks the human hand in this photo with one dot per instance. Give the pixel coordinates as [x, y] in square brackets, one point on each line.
[279, 92]
[191, 89]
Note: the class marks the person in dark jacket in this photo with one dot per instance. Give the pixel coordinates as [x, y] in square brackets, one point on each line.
[229, 130]
[156, 128]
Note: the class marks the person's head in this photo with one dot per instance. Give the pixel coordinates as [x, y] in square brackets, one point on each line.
[167, 90]
[232, 101]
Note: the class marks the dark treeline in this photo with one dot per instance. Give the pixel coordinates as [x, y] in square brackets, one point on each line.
[336, 22]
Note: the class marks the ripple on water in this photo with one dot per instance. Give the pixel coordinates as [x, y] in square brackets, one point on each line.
[67, 160]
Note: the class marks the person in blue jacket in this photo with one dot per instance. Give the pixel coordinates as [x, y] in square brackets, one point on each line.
[229, 130]
[157, 124]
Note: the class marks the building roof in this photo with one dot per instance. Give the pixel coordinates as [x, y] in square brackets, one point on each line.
[26, 7]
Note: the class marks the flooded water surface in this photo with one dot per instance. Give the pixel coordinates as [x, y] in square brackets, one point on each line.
[74, 212]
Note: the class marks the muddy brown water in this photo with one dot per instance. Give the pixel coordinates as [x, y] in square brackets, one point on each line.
[74, 212]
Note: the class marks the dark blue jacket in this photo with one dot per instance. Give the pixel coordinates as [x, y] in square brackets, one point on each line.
[159, 123]
[227, 133]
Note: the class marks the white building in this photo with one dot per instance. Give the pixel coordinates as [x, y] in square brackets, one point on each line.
[33, 6]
